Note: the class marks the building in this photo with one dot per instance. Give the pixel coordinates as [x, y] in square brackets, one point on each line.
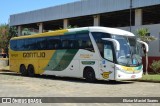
[125, 14]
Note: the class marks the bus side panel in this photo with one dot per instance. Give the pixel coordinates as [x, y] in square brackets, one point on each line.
[62, 63]
[45, 62]
[72, 70]
[14, 60]
[88, 59]
[14, 65]
[29, 58]
[90, 63]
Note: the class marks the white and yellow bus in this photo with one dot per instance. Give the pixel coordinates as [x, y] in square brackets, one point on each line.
[89, 52]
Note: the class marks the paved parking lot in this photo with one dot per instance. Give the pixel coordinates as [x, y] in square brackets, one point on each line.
[13, 84]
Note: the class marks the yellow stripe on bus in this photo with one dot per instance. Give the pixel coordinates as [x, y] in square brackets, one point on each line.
[52, 33]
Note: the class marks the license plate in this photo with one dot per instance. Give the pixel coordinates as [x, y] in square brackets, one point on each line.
[133, 76]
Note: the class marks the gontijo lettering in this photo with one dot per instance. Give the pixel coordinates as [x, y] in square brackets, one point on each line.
[34, 54]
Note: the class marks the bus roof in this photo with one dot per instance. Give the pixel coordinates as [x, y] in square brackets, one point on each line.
[113, 31]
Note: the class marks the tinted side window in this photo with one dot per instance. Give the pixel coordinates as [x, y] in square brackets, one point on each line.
[99, 35]
[68, 41]
[98, 38]
[20, 44]
[53, 42]
[13, 44]
[41, 44]
[30, 44]
[83, 41]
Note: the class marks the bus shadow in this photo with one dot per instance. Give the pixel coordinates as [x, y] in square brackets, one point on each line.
[67, 79]
[80, 80]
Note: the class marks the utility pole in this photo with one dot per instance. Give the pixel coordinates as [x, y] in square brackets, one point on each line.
[130, 28]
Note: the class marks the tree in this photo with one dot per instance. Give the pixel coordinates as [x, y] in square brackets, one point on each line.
[4, 30]
[69, 27]
[6, 33]
[143, 34]
[26, 31]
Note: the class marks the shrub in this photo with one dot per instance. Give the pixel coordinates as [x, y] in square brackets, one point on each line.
[155, 66]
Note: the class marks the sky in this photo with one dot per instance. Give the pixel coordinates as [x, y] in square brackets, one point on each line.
[9, 7]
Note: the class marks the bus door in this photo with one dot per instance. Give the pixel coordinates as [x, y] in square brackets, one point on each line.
[108, 62]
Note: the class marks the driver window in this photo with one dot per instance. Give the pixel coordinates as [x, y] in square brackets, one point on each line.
[108, 53]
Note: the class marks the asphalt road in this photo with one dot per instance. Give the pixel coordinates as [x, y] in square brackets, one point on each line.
[15, 85]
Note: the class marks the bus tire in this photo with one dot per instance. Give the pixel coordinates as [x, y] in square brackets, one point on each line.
[31, 71]
[23, 70]
[89, 74]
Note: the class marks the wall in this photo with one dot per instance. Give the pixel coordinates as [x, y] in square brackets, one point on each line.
[76, 9]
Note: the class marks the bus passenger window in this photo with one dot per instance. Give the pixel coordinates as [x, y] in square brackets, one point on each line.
[80, 44]
[84, 41]
[89, 44]
[20, 45]
[68, 41]
[51, 46]
[71, 44]
[56, 46]
[13, 44]
[41, 43]
[53, 42]
[65, 44]
[98, 38]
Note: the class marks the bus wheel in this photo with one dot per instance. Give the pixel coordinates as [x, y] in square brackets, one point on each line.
[31, 71]
[89, 74]
[23, 70]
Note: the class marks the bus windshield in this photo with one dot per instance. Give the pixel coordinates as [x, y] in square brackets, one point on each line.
[130, 51]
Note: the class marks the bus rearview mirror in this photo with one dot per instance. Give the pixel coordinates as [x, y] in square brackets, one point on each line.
[145, 44]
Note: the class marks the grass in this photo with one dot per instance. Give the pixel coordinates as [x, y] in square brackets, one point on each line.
[150, 78]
